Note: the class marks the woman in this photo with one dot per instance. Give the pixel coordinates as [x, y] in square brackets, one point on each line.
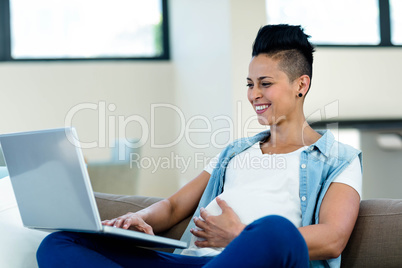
[314, 186]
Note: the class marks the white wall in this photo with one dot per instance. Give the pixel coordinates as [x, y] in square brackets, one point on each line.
[211, 42]
[364, 81]
[201, 56]
[245, 21]
[41, 95]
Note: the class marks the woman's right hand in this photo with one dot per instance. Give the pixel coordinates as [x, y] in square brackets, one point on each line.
[131, 221]
[164, 214]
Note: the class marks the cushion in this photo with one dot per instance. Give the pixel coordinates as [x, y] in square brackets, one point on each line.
[18, 244]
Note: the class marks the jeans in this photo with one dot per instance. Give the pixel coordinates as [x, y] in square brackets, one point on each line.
[271, 241]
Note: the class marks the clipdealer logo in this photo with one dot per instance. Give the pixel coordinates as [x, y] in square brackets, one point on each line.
[114, 126]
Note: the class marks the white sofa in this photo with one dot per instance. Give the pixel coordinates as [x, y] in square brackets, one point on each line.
[18, 244]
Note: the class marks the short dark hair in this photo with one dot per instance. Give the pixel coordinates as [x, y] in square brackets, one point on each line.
[290, 45]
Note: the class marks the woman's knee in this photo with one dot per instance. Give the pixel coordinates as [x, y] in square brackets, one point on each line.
[45, 249]
[271, 222]
[50, 245]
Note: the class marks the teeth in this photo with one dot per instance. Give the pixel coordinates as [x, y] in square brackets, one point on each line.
[261, 107]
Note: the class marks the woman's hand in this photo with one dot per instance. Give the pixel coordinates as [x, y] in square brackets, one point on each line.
[131, 221]
[217, 231]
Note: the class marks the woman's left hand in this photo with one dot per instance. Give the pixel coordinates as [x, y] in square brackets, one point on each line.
[218, 231]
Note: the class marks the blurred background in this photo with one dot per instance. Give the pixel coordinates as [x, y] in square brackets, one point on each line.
[157, 88]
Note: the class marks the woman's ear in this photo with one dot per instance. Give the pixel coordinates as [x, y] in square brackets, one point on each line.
[303, 85]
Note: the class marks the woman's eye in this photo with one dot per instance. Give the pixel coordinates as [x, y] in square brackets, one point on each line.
[249, 85]
[266, 84]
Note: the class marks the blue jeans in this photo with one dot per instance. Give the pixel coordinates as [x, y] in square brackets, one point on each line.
[271, 241]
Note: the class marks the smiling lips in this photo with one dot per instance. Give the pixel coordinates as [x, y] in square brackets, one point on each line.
[261, 108]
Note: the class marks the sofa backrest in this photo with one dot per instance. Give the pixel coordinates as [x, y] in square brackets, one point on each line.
[376, 240]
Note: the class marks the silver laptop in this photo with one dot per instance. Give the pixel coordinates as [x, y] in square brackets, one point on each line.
[52, 186]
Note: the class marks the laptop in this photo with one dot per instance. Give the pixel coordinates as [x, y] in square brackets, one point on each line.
[52, 187]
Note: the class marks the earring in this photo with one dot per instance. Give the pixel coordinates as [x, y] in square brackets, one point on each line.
[300, 95]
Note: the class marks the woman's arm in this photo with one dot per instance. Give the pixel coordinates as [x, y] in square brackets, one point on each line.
[165, 213]
[337, 218]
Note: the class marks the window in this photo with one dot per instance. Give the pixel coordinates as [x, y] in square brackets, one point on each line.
[90, 29]
[342, 22]
[396, 21]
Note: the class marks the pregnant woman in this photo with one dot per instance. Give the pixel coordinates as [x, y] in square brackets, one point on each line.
[286, 197]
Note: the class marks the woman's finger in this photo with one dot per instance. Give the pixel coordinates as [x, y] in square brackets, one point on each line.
[148, 229]
[199, 233]
[204, 213]
[131, 222]
[222, 204]
[119, 222]
[127, 223]
[203, 244]
[108, 222]
[138, 224]
[200, 223]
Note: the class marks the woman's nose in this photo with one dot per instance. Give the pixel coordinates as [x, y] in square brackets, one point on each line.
[256, 93]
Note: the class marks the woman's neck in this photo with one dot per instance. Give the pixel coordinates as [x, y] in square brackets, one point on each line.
[289, 136]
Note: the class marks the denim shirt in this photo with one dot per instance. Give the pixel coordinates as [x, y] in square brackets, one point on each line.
[319, 165]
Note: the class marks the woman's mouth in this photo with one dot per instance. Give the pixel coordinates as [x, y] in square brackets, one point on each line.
[261, 108]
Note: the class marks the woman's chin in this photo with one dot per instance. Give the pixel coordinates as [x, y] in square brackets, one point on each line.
[264, 121]
[270, 121]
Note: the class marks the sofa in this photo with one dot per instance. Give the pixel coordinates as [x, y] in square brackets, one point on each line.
[375, 242]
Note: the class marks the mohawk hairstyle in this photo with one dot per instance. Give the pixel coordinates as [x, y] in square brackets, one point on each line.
[290, 45]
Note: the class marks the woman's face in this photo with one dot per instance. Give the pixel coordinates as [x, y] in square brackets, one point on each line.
[272, 95]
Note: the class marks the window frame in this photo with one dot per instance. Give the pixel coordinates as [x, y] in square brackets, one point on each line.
[5, 40]
[384, 27]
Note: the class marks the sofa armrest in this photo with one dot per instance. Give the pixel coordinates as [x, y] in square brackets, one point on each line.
[111, 206]
[376, 238]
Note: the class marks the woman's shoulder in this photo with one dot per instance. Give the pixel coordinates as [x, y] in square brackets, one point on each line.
[339, 150]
